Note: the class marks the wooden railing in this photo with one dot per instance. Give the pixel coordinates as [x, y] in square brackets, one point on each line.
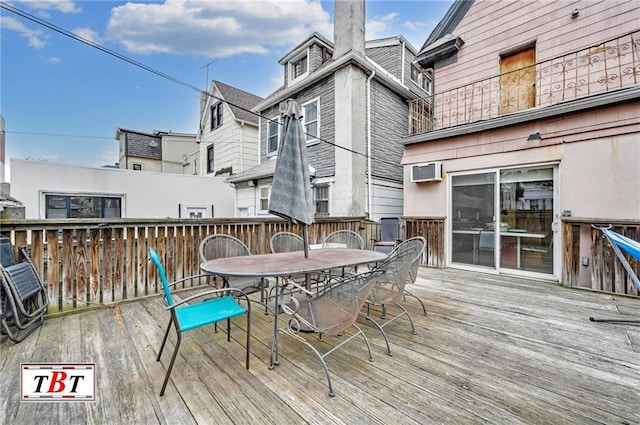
[606, 272]
[98, 262]
[610, 65]
[93, 262]
[432, 229]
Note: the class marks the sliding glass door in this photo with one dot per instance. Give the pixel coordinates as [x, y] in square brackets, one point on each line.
[472, 219]
[504, 219]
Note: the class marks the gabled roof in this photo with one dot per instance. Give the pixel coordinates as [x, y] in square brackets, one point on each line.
[315, 37]
[449, 22]
[239, 100]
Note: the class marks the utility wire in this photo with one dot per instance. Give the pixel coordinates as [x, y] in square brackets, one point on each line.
[120, 56]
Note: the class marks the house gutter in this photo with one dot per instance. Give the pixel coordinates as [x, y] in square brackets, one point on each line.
[369, 179]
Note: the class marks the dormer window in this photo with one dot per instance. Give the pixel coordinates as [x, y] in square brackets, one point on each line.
[299, 67]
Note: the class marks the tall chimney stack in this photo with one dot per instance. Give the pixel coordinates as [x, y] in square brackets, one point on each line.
[348, 27]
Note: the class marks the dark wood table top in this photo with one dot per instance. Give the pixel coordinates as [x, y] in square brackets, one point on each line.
[288, 263]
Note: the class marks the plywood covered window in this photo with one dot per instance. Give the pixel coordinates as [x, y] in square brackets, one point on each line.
[518, 80]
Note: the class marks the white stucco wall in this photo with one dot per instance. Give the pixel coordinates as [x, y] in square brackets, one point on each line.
[146, 194]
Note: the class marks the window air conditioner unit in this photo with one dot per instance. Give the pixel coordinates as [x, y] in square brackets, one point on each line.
[427, 172]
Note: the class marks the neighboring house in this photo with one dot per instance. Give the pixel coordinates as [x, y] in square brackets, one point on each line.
[535, 117]
[85, 192]
[354, 98]
[160, 151]
[228, 134]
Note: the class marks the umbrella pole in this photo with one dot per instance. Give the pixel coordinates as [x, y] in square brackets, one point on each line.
[305, 241]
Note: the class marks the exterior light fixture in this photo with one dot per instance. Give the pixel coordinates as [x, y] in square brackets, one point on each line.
[534, 137]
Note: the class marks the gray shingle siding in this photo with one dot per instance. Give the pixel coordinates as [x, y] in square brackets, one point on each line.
[388, 57]
[389, 124]
[321, 155]
[140, 145]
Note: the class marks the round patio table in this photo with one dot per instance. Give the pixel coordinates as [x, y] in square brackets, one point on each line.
[287, 264]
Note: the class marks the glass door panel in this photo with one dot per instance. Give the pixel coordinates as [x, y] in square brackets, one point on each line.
[473, 219]
[526, 218]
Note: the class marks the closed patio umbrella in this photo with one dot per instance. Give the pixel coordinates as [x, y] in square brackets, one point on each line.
[291, 188]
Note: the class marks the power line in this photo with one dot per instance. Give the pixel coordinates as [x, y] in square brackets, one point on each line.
[58, 135]
[122, 57]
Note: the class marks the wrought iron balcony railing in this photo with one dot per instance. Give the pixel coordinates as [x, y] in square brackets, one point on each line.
[608, 66]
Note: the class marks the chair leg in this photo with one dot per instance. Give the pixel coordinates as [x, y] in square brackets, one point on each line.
[228, 330]
[405, 311]
[173, 359]
[164, 340]
[248, 338]
[424, 309]
[384, 334]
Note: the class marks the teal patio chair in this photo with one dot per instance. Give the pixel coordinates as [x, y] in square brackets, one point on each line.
[214, 308]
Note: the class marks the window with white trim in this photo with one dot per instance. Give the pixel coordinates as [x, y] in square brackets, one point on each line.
[421, 79]
[273, 135]
[264, 198]
[321, 198]
[298, 67]
[82, 206]
[210, 162]
[216, 115]
[311, 118]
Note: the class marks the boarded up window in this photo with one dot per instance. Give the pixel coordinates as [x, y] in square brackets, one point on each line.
[517, 81]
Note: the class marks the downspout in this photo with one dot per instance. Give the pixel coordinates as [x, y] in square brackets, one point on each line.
[369, 180]
[241, 146]
[402, 63]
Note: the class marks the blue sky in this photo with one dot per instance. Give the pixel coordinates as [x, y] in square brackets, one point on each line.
[54, 85]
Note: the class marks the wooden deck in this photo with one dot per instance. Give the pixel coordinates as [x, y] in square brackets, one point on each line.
[491, 350]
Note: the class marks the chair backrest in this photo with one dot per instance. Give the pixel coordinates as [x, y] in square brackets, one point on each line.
[343, 239]
[221, 246]
[389, 229]
[155, 259]
[24, 280]
[400, 270]
[286, 242]
[417, 244]
[338, 305]
[6, 252]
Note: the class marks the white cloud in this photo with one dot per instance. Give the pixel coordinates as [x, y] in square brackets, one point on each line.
[32, 36]
[381, 26]
[65, 6]
[87, 34]
[215, 28]
[54, 59]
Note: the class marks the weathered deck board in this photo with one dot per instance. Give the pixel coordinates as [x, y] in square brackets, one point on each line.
[491, 350]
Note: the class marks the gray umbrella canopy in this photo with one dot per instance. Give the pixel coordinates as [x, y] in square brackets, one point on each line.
[291, 188]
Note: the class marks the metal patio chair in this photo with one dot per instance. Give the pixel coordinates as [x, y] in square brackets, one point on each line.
[389, 235]
[286, 242]
[224, 246]
[218, 305]
[400, 270]
[342, 239]
[23, 296]
[330, 312]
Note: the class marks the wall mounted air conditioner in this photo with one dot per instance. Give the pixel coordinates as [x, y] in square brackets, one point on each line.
[427, 172]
